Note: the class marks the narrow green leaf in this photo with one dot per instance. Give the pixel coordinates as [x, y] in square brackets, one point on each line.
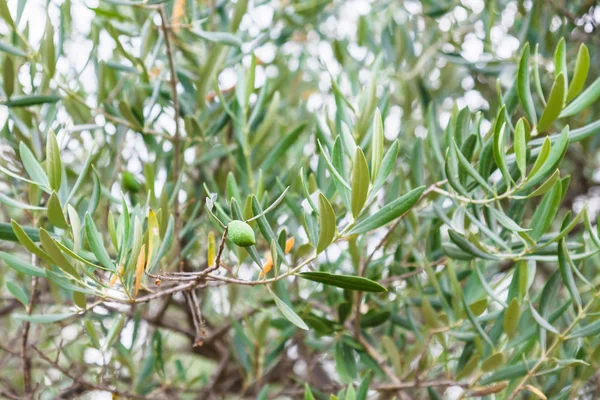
[564, 264]
[511, 317]
[376, 145]
[506, 221]
[338, 160]
[18, 177]
[520, 146]
[475, 323]
[5, 14]
[21, 266]
[7, 48]
[584, 100]
[451, 169]
[560, 65]
[75, 227]
[350, 282]
[27, 242]
[541, 321]
[536, 75]
[18, 292]
[240, 9]
[30, 100]
[80, 300]
[96, 243]
[544, 187]
[542, 157]
[498, 147]
[592, 329]
[271, 207]
[334, 172]
[464, 244]
[363, 388]
[555, 104]
[546, 211]
[164, 245]
[508, 372]
[43, 318]
[91, 332]
[48, 49]
[548, 296]
[128, 114]
[327, 223]
[492, 362]
[77, 257]
[95, 196]
[582, 66]
[345, 364]
[282, 146]
[55, 212]
[360, 182]
[266, 230]
[462, 160]
[523, 88]
[112, 230]
[387, 165]
[8, 76]
[389, 212]
[115, 331]
[486, 287]
[56, 255]
[224, 38]
[32, 166]
[308, 393]
[17, 204]
[288, 313]
[306, 191]
[555, 155]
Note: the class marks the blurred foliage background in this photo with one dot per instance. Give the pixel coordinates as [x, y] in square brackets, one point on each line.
[365, 141]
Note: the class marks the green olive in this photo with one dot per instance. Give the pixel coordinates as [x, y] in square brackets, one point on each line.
[241, 233]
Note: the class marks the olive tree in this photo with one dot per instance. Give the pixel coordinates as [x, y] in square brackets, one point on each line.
[306, 199]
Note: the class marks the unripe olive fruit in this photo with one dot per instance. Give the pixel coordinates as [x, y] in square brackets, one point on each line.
[241, 233]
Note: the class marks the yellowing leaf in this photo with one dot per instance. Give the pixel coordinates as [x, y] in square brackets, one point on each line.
[115, 276]
[289, 244]
[178, 11]
[536, 392]
[139, 270]
[153, 235]
[268, 265]
[212, 249]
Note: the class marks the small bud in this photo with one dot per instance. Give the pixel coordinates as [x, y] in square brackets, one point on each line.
[241, 233]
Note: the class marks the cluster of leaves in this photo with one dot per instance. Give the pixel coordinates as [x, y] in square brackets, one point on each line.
[353, 260]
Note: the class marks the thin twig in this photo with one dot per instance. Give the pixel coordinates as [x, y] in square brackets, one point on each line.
[378, 358]
[84, 382]
[26, 362]
[415, 384]
[197, 307]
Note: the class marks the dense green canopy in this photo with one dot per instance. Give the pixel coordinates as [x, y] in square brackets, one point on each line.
[411, 186]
